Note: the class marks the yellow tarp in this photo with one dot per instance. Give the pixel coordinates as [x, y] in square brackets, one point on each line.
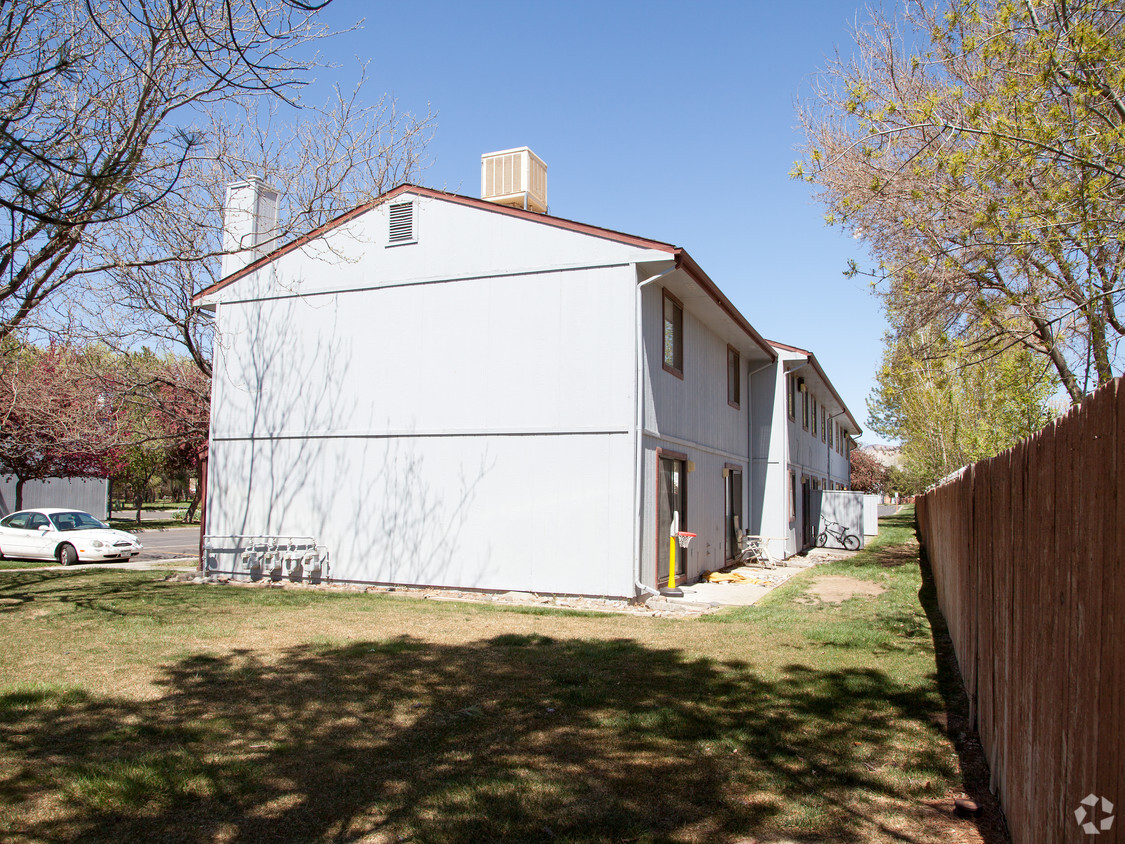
[725, 577]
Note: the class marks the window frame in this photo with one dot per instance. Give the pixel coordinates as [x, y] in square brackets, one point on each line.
[677, 336]
[791, 400]
[21, 517]
[804, 402]
[735, 399]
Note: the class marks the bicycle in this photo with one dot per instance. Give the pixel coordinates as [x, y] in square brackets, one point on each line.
[840, 533]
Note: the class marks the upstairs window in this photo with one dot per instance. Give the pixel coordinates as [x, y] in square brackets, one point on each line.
[401, 224]
[814, 418]
[791, 388]
[823, 426]
[673, 335]
[804, 403]
[734, 377]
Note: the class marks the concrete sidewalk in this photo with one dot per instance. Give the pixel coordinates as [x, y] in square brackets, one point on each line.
[761, 581]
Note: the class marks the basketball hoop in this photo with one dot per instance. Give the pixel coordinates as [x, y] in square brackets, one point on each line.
[684, 538]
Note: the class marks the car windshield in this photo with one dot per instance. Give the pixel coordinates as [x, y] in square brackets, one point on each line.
[75, 520]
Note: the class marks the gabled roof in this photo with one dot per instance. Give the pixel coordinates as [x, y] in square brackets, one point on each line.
[823, 377]
[683, 260]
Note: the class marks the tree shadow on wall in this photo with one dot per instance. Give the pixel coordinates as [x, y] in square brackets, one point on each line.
[518, 738]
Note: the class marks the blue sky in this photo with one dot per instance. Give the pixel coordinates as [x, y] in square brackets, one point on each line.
[673, 121]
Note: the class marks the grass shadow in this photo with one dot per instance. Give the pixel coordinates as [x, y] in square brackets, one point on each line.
[515, 738]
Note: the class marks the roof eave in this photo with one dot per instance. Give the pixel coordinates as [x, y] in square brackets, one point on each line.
[458, 199]
[686, 263]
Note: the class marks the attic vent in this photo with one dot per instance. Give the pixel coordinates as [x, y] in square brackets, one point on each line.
[402, 223]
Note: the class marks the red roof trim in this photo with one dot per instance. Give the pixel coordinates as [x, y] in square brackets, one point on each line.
[789, 348]
[483, 205]
[686, 263]
[546, 219]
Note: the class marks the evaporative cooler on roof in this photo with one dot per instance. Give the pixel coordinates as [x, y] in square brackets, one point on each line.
[514, 177]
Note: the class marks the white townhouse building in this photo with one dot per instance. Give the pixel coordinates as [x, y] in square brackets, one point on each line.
[803, 435]
[441, 390]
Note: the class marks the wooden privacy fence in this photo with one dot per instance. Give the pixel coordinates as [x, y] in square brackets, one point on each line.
[1026, 555]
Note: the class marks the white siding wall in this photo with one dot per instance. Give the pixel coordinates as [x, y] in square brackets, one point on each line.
[473, 512]
[453, 242]
[547, 352]
[809, 457]
[770, 514]
[694, 407]
[782, 445]
[469, 431]
[691, 416]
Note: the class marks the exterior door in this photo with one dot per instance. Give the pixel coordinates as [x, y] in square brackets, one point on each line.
[734, 511]
[671, 497]
[806, 513]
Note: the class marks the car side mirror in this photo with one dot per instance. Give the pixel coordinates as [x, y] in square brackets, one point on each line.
[44, 528]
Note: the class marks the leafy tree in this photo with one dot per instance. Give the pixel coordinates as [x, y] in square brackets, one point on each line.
[955, 407]
[868, 474]
[140, 462]
[164, 419]
[978, 149]
[56, 420]
[899, 483]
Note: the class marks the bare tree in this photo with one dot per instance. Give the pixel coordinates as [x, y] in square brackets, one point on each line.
[324, 161]
[121, 123]
[977, 148]
[96, 103]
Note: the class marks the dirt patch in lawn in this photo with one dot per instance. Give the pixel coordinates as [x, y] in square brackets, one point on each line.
[835, 589]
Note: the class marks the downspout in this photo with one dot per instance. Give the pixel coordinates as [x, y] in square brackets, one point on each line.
[638, 416]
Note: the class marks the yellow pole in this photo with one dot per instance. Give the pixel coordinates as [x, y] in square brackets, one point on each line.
[672, 562]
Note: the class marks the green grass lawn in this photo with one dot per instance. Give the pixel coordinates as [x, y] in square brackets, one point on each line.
[7, 563]
[132, 709]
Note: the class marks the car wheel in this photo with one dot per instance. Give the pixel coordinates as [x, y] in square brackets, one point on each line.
[67, 555]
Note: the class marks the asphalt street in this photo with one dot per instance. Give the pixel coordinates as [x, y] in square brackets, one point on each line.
[168, 543]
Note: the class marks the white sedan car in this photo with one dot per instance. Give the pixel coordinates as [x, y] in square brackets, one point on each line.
[52, 533]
